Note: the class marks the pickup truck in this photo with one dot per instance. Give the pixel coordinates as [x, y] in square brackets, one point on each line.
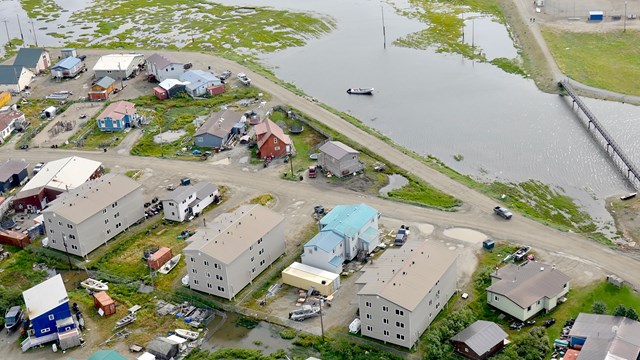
[503, 212]
[401, 236]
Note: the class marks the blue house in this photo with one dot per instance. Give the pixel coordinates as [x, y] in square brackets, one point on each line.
[67, 68]
[13, 173]
[118, 116]
[48, 310]
[345, 232]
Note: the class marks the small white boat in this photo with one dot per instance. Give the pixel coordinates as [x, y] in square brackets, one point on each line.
[360, 91]
[187, 334]
[126, 320]
[95, 285]
[185, 280]
[628, 196]
[169, 265]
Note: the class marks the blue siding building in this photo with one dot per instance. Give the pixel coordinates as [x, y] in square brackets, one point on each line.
[118, 116]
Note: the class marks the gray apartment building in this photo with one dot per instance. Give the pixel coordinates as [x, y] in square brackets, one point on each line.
[88, 216]
[404, 290]
[228, 253]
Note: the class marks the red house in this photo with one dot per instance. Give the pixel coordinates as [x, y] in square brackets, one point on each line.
[272, 142]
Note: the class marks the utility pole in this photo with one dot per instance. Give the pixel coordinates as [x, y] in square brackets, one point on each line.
[568, 64]
[625, 17]
[7, 28]
[33, 27]
[64, 242]
[384, 29]
[20, 27]
[321, 322]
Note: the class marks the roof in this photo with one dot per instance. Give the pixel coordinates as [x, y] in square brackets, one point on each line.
[9, 74]
[103, 298]
[162, 346]
[67, 63]
[607, 337]
[405, 276]
[526, 284]
[28, 57]
[198, 77]
[7, 117]
[169, 83]
[118, 110]
[219, 124]
[369, 235]
[231, 234]
[104, 82]
[310, 273]
[161, 61]
[79, 204]
[269, 128]
[45, 296]
[204, 189]
[337, 150]
[116, 61]
[347, 220]
[63, 174]
[336, 261]
[106, 355]
[325, 240]
[9, 168]
[481, 336]
[179, 194]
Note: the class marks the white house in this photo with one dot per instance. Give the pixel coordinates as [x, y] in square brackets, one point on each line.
[82, 219]
[189, 200]
[199, 81]
[162, 67]
[14, 78]
[227, 254]
[345, 232]
[8, 121]
[403, 290]
[524, 290]
[36, 60]
[67, 68]
[118, 66]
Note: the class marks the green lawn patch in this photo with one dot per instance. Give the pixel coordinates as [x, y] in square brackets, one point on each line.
[606, 60]
[263, 199]
[43, 10]
[419, 192]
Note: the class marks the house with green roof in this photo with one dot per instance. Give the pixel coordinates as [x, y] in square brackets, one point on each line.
[36, 60]
[14, 78]
[345, 232]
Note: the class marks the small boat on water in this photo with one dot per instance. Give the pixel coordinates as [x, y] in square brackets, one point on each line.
[166, 268]
[187, 334]
[628, 196]
[126, 320]
[95, 285]
[12, 318]
[360, 91]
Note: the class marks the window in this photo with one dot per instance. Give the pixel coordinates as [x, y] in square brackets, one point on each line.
[108, 231]
[369, 316]
[276, 148]
[116, 215]
[114, 204]
[195, 281]
[250, 247]
[529, 308]
[430, 302]
[538, 302]
[259, 240]
[72, 236]
[104, 211]
[385, 321]
[217, 266]
[194, 271]
[385, 308]
[60, 223]
[275, 140]
[208, 274]
[192, 259]
[106, 221]
[209, 286]
[218, 277]
[496, 298]
[252, 258]
[400, 324]
[399, 312]
[564, 286]
[206, 263]
[74, 247]
[386, 333]
[367, 304]
[399, 336]
[45, 330]
[220, 288]
[261, 252]
[369, 328]
[262, 262]
[51, 317]
[49, 221]
[70, 226]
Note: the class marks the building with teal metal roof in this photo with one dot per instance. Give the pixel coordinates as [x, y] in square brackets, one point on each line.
[345, 232]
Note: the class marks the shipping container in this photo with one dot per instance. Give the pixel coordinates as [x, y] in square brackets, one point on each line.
[159, 258]
[5, 97]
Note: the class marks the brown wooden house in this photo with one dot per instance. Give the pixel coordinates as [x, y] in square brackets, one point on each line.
[272, 141]
[102, 89]
[480, 340]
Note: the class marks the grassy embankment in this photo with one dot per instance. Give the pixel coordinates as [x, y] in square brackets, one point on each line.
[255, 29]
[41, 10]
[608, 60]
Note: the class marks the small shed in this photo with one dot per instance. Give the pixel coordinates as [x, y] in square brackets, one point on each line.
[304, 276]
[163, 348]
[68, 52]
[480, 340]
[160, 93]
[102, 88]
[13, 238]
[159, 258]
[215, 90]
[103, 301]
[596, 15]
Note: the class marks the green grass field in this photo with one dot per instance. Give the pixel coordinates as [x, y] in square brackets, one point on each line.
[610, 60]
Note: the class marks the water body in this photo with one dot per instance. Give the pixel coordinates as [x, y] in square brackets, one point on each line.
[264, 337]
[438, 104]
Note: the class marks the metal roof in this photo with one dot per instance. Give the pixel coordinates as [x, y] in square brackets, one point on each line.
[481, 336]
[9, 168]
[9, 74]
[337, 150]
[198, 77]
[81, 203]
[347, 220]
[231, 234]
[405, 276]
[265, 129]
[116, 62]
[28, 57]
[325, 240]
[369, 235]
[310, 273]
[607, 337]
[169, 83]
[67, 63]
[524, 285]
[161, 61]
[45, 296]
[106, 355]
[204, 189]
[180, 194]
[104, 82]
[63, 174]
[219, 124]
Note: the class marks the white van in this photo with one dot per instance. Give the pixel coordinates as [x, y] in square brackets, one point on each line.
[354, 327]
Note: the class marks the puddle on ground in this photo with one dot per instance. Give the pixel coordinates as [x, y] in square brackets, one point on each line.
[466, 235]
[264, 337]
[395, 182]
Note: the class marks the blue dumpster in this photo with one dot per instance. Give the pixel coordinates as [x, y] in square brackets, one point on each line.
[488, 244]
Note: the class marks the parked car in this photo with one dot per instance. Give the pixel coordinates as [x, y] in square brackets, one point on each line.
[312, 172]
[516, 325]
[24, 146]
[549, 322]
[502, 212]
[401, 236]
[37, 168]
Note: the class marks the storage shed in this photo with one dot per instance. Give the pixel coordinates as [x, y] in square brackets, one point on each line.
[160, 93]
[68, 52]
[13, 238]
[216, 89]
[103, 301]
[596, 15]
[304, 276]
[160, 257]
[163, 348]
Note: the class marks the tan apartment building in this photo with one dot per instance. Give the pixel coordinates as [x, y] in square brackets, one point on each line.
[404, 290]
[227, 254]
[84, 218]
